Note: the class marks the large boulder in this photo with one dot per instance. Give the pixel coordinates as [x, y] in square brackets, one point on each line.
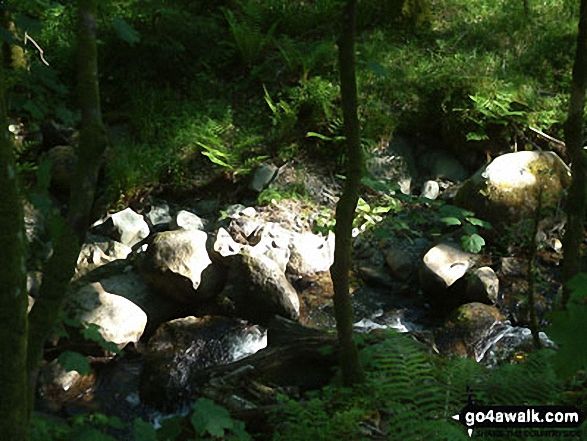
[467, 327]
[507, 190]
[257, 289]
[482, 286]
[180, 349]
[120, 320]
[174, 264]
[442, 266]
[310, 253]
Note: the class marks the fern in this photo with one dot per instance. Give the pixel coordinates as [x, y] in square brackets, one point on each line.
[403, 378]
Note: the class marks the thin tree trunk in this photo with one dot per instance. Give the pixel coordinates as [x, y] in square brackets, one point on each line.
[71, 233]
[14, 422]
[351, 368]
[576, 201]
[93, 138]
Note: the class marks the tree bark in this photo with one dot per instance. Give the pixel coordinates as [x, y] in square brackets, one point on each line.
[70, 233]
[14, 422]
[574, 133]
[352, 371]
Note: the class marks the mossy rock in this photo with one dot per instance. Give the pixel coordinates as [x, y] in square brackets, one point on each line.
[508, 189]
[465, 327]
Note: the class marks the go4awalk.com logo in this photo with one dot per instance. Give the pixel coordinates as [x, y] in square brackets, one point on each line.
[546, 419]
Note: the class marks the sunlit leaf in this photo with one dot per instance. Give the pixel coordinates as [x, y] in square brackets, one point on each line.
[450, 220]
[472, 243]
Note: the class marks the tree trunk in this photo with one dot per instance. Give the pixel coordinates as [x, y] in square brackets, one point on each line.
[93, 138]
[71, 233]
[352, 371]
[574, 140]
[14, 422]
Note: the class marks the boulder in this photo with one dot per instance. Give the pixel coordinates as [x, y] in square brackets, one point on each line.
[443, 265]
[507, 190]
[393, 163]
[174, 262]
[310, 253]
[403, 257]
[438, 164]
[184, 220]
[158, 218]
[180, 349]
[257, 289]
[126, 227]
[465, 328]
[120, 320]
[101, 252]
[58, 388]
[482, 286]
[430, 190]
[273, 241]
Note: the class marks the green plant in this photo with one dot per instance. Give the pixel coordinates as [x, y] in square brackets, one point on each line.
[248, 39]
[567, 325]
[470, 240]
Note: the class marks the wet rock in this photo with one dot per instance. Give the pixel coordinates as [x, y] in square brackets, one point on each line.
[126, 227]
[257, 289]
[59, 388]
[465, 328]
[174, 263]
[507, 190]
[181, 348]
[404, 257]
[482, 286]
[508, 344]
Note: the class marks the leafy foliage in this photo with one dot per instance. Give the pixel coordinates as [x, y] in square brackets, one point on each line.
[567, 325]
[211, 419]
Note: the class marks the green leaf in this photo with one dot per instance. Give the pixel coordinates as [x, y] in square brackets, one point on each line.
[170, 429]
[125, 32]
[474, 136]
[74, 361]
[478, 222]
[318, 135]
[91, 332]
[450, 220]
[472, 243]
[210, 418]
[144, 430]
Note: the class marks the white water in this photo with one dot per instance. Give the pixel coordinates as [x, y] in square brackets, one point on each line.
[503, 340]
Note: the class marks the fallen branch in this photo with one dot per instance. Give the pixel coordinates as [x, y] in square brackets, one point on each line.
[547, 137]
